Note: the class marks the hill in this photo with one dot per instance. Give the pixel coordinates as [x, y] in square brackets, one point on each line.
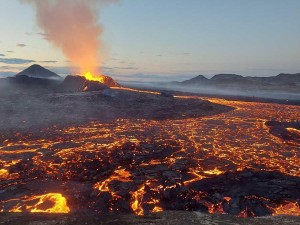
[282, 82]
[38, 71]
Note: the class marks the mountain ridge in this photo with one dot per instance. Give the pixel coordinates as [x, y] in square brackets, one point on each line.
[282, 78]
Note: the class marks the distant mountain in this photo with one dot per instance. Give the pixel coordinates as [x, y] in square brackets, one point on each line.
[227, 77]
[281, 82]
[219, 79]
[38, 71]
[199, 79]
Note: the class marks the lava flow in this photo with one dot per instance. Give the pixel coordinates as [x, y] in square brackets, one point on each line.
[228, 163]
[48, 203]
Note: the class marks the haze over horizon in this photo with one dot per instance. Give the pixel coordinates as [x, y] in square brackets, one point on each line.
[168, 40]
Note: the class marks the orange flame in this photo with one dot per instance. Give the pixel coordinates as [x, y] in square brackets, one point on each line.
[92, 77]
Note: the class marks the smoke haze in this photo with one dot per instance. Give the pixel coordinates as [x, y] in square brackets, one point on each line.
[73, 27]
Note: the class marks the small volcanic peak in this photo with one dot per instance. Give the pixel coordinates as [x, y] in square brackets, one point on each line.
[80, 84]
[196, 80]
[110, 82]
[38, 71]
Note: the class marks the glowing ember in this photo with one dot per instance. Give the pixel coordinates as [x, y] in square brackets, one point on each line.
[287, 208]
[137, 201]
[215, 171]
[157, 209]
[119, 175]
[3, 174]
[48, 203]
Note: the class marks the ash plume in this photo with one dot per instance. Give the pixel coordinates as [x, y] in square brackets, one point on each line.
[73, 27]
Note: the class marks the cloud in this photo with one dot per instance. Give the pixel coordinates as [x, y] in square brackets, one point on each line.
[159, 55]
[48, 61]
[113, 59]
[15, 61]
[2, 55]
[44, 35]
[127, 68]
[21, 45]
[185, 53]
[6, 74]
[119, 68]
[263, 69]
[10, 51]
[11, 68]
[41, 34]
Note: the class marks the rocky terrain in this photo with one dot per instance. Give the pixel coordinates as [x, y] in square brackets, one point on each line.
[163, 218]
[23, 111]
[285, 130]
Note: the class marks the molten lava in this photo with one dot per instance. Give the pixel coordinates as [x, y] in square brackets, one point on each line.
[287, 208]
[92, 77]
[48, 203]
[142, 165]
[137, 200]
[3, 174]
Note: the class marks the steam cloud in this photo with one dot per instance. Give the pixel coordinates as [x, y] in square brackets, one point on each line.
[72, 26]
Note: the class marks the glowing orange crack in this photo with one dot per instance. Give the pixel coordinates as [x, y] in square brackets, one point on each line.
[48, 203]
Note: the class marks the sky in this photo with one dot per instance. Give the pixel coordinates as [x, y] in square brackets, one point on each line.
[168, 40]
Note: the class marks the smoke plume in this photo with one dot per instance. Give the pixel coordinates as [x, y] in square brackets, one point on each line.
[73, 27]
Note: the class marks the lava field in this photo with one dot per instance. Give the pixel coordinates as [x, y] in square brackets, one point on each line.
[244, 161]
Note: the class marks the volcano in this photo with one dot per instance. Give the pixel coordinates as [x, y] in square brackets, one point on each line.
[38, 71]
[80, 84]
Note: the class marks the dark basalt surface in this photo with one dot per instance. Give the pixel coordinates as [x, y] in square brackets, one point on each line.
[251, 191]
[248, 193]
[281, 130]
[21, 112]
[163, 218]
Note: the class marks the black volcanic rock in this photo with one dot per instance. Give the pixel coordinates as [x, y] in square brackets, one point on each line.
[23, 83]
[285, 130]
[250, 191]
[38, 71]
[80, 84]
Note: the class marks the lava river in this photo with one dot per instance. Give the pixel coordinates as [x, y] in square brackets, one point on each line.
[228, 163]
